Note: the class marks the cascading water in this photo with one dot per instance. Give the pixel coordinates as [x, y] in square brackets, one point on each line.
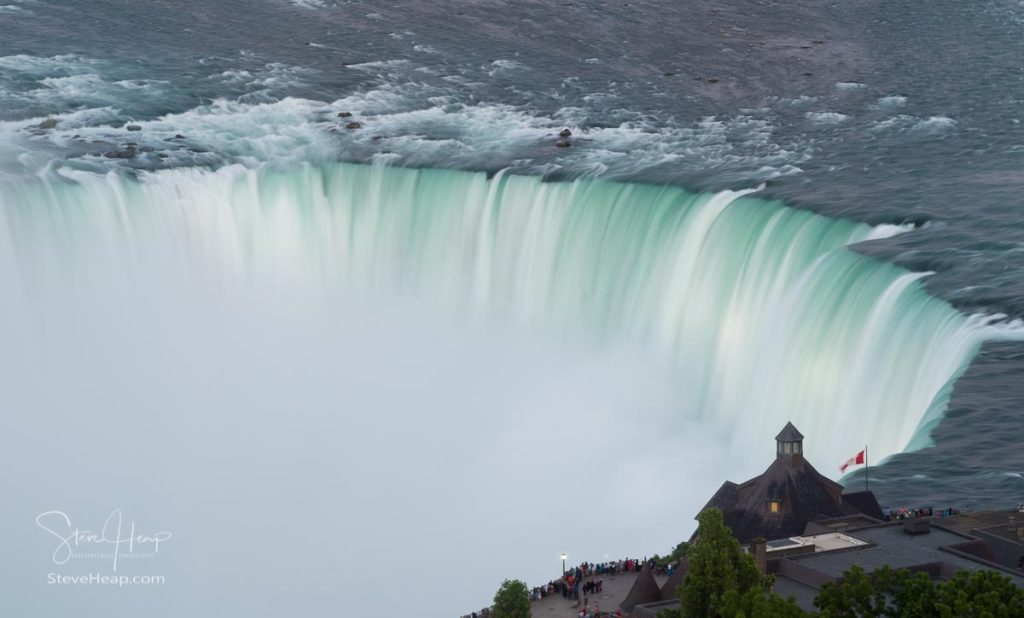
[763, 310]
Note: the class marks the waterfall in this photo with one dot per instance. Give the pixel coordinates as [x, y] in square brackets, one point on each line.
[763, 310]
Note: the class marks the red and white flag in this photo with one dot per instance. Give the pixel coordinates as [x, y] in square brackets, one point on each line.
[853, 461]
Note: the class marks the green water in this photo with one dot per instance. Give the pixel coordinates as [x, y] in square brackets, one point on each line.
[763, 310]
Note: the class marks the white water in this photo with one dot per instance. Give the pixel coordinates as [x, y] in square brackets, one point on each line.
[319, 375]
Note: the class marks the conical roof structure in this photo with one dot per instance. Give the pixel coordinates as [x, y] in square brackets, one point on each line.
[790, 494]
[644, 590]
[670, 589]
[789, 433]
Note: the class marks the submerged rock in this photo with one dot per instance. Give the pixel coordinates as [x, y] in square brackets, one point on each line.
[133, 127]
[565, 132]
[178, 136]
[563, 143]
[712, 80]
[49, 123]
[354, 125]
[344, 114]
[127, 153]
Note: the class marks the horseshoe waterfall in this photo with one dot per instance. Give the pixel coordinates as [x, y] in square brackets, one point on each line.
[763, 312]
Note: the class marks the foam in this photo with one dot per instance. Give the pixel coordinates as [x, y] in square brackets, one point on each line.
[826, 117]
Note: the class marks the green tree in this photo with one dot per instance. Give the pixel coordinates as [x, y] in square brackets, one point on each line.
[980, 594]
[759, 603]
[902, 594]
[886, 592]
[678, 553]
[512, 600]
[722, 579]
[855, 595]
[912, 593]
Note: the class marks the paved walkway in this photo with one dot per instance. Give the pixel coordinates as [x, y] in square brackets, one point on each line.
[616, 587]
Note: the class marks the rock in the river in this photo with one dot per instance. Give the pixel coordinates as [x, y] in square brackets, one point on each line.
[49, 123]
[133, 127]
[344, 114]
[565, 132]
[563, 143]
[127, 153]
[354, 125]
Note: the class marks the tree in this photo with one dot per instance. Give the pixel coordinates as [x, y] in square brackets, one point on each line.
[675, 556]
[760, 603]
[858, 594]
[980, 594]
[902, 594]
[721, 575]
[512, 600]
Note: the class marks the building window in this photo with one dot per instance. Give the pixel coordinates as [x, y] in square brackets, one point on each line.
[787, 448]
[775, 506]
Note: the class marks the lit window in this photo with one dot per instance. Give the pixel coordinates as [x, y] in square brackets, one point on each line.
[775, 506]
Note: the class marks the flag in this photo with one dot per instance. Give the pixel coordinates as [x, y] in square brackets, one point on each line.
[853, 461]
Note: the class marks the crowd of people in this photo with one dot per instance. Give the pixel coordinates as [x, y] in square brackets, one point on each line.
[900, 513]
[580, 582]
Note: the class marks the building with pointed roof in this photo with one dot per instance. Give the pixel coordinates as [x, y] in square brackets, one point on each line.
[787, 496]
[805, 532]
[645, 590]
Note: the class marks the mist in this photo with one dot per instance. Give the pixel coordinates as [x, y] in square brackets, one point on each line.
[316, 451]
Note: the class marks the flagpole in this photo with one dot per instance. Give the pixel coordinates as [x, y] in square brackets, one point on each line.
[865, 467]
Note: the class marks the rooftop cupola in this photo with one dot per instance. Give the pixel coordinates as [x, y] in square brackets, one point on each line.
[789, 442]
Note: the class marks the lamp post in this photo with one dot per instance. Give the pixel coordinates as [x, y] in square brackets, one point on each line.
[563, 564]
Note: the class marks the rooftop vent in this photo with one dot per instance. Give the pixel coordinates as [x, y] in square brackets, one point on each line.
[917, 526]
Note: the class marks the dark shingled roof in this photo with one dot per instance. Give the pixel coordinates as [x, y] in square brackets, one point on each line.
[724, 498]
[644, 590]
[789, 433]
[864, 502]
[803, 495]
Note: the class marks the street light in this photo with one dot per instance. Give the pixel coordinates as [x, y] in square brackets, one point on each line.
[563, 564]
